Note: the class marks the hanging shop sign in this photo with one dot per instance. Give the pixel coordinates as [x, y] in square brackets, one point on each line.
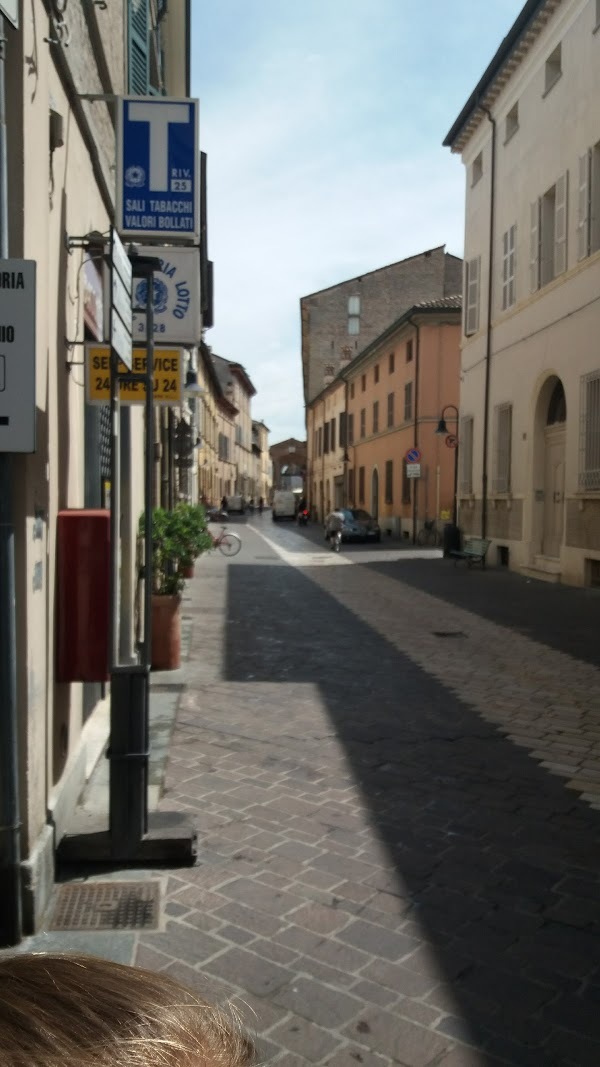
[158, 168]
[168, 363]
[176, 297]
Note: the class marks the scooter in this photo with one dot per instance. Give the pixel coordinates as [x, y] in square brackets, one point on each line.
[302, 517]
[335, 540]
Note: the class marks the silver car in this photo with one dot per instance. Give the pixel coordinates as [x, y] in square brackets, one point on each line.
[357, 525]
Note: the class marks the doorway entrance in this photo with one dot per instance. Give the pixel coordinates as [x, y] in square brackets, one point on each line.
[375, 494]
[554, 472]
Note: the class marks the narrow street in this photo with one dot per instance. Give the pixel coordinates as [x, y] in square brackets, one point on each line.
[394, 767]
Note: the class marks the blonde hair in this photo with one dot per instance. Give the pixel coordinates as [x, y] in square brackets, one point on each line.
[81, 1011]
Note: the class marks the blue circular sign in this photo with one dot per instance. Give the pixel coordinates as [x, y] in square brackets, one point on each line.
[413, 455]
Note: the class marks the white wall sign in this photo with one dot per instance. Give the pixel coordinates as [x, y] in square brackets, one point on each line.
[17, 355]
[177, 318]
[413, 470]
[10, 10]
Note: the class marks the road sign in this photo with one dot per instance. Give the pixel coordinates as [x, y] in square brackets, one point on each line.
[158, 168]
[17, 355]
[177, 317]
[121, 317]
[167, 376]
[413, 455]
[452, 440]
[10, 10]
[413, 470]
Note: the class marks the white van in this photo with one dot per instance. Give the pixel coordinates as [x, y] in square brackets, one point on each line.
[236, 503]
[284, 505]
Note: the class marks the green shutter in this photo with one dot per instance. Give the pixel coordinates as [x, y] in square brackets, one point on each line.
[139, 25]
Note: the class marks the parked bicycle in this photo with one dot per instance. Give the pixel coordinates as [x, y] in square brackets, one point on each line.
[429, 534]
[227, 543]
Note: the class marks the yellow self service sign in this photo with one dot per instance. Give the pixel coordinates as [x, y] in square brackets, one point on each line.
[167, 376]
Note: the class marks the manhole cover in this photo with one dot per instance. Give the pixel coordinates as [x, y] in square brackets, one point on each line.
[107, 906]
[448, 633]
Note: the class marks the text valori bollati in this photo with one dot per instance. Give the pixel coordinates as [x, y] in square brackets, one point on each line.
[166, 376]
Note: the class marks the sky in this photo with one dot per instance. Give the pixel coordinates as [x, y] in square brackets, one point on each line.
[323, 122]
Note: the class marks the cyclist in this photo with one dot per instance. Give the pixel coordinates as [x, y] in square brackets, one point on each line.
[335, 524]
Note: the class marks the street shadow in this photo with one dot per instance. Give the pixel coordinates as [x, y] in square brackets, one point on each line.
[498, 861]
[560, 616]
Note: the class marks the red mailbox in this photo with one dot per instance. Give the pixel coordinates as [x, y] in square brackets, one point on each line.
[83, 605]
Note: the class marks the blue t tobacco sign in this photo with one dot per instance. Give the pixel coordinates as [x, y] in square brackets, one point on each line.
[157, 169]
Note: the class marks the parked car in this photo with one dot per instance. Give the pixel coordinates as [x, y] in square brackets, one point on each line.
[358, 525]
[236, 503]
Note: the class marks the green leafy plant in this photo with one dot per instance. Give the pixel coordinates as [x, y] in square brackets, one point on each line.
[178, 537]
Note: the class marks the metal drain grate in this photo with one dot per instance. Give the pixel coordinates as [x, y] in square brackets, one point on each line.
[448, 633]
[107, 906]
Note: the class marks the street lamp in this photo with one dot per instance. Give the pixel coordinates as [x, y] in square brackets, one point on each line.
[443, 431]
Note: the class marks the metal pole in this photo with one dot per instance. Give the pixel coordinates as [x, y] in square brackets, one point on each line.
[10, 848]
[115, 512]
[149, 470]
[455, 505]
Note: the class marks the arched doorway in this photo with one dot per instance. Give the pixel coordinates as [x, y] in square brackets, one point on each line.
[375, 493]
[552, 420]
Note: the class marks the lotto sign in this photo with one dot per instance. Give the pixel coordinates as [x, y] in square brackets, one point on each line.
[167, 376]
[176, 297]
[158, 168]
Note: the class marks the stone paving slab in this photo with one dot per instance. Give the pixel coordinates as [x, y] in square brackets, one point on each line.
[385, 876]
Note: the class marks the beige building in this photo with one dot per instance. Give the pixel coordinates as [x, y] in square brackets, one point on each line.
[61, 184]
[530, 397]
[262, 469]
[239, 390]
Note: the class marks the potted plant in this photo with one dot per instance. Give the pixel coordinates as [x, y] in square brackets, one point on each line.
[178, 536]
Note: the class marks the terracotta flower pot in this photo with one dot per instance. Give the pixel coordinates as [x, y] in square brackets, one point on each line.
[166, 633]
[188, 572]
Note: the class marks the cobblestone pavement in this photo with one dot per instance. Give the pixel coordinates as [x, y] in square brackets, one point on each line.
[396, 797]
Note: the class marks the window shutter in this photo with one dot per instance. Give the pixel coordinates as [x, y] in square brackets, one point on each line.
[505, 271]
[534, 247]
[473, 272]
[466, 455]
[139, 53]
[560, 225]
[583, 207]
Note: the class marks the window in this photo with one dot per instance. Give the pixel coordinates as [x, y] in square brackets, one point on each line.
[597, 14]
[390, 413]
[320, 448]
[363, 383]
[353, 315]
[405, 484]
[315, 443]
[588, 204]
[589, 444]
[351, 486]
[363, 422]
[376, 373]
[352, 390]
[553, 69]
[392, 362]
[502, 447]
[512, 123]
[351, 429]
[343, 437]
[471, 301]
[332, 436]
[477, 169]
[389, 481]
[376, 417]
[508, 267]
[465, 455]
[361, 485]
[326, 438]
[409, 351]
[408, 401]
[548, 235]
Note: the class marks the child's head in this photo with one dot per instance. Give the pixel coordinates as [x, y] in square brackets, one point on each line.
[80, 1011]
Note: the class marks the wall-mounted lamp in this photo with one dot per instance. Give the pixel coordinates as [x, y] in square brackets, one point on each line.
[191, 384]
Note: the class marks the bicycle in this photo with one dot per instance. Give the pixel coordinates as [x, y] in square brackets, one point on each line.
[227, 543]
[428, 535]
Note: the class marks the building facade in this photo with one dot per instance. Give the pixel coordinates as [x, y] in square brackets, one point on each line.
[387, 401]
[61, 185]
[339, 322]
[530, 393]
[289, 464]
[262, 479]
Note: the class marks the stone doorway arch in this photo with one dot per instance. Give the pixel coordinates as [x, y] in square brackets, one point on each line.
[550, 436]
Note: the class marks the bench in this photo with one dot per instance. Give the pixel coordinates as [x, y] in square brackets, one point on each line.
[473, 551]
